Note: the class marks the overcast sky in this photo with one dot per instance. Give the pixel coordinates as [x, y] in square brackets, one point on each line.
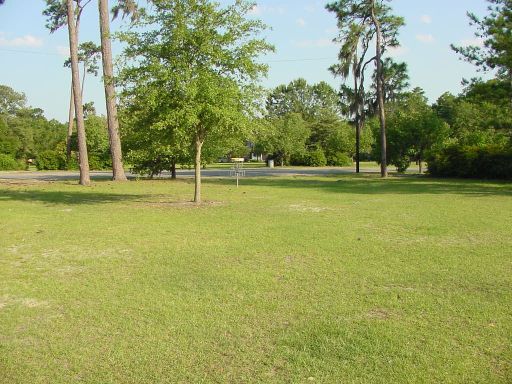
[31, 60]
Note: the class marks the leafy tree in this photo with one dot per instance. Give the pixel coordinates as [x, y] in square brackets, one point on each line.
[494, 29]
[202, 59]
[24, 131]
[481, 115]
[300, 97]
[322, 129]
[286, 136]
[11, 101]
[9, 142]
[320, 109]
[413, 129]
[97, 142]
[338, 142]
[151, 143]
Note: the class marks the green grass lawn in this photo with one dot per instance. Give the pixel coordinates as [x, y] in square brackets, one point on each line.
[340, 279]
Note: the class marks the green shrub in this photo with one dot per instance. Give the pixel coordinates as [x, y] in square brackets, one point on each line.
[72, 163]
[9, 163]
[339, 159]
[485, 162]
[99, 161]
[313, 158]
[51, 160]
[96, 162]
[402, 163]
[316, 158]
[297, 159]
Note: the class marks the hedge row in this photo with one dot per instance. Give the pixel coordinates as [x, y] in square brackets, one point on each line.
[56, 160]
[485, 162]
[317, 158]
[8, 163]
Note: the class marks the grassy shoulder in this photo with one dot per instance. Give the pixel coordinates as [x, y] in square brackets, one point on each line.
[299, 279]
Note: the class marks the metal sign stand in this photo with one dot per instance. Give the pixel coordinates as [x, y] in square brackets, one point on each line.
[238, 168]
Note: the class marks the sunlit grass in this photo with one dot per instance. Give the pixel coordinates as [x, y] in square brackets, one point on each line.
[328, 279]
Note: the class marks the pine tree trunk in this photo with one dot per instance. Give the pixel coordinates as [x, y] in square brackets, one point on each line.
[358, 118]
[358, 144]
[510, 81]
[197, 168]
[110, 94]
[71, 118]
[380, 94]
[77, 97]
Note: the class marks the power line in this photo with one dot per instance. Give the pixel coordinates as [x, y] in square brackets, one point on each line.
[267, 61]
[298, 60]
[29, 52]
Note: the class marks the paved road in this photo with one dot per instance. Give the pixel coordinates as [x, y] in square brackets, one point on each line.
[249, 172]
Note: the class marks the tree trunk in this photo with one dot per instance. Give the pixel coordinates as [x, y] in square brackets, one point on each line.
[110, 94]
[420, 167]
[71, 114]
[380, 94]
[83, 79]
[71, 118]
[510, 81]
[77, 97]
[173, 170]
[197, 168]
[358, 143]
[358, 118]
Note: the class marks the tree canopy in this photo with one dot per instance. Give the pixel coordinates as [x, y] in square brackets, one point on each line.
[192, 72]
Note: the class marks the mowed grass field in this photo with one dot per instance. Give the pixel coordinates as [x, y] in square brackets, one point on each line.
[340, 279]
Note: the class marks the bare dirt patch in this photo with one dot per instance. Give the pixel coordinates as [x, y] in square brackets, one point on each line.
[378, 314]
[27, 302]
[306, 208]
[180, 204]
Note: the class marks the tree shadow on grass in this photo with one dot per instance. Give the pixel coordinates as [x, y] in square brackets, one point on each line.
[373, 184]
[67, 197]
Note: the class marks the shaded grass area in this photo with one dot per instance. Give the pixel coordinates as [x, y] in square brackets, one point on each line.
[325, 279]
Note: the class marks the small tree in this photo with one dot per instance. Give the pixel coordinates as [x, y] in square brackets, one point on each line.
[413, 129]
[285, 136]
[202, 59]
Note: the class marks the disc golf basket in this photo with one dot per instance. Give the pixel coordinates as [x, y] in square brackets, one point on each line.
[237, 170]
